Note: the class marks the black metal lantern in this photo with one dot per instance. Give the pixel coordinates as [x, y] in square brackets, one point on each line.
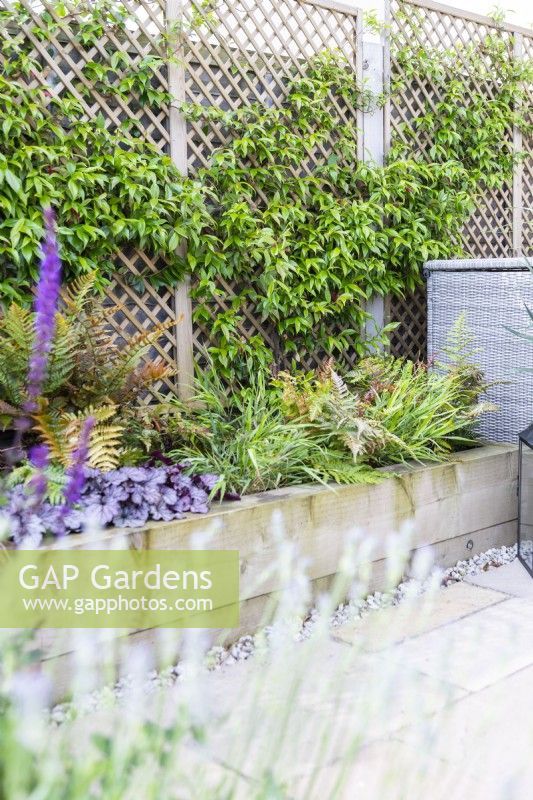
[525, 499]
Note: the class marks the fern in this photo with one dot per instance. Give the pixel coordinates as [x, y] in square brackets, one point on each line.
[328, 373]
[61, 431]
[123, 363]
[325, 402]
[340, 469]
[16, 336]
[61, 363]
[48, 425]
[89, 373]
[86, 365]
[55, 480]
[77, 294]
[458, 348]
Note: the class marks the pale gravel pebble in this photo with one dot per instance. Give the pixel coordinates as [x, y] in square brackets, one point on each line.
[245, 647]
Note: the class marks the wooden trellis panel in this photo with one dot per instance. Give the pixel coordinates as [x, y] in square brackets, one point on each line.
[245, 52]
[66, 62]
[410, 337]
[527, 168]
[489, 231]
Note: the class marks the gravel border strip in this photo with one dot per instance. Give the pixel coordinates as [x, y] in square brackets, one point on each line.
[244, 648]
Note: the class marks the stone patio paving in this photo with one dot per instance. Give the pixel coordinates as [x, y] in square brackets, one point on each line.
[436, 704]
[431, 699]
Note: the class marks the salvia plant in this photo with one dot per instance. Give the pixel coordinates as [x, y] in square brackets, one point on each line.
[81, 495]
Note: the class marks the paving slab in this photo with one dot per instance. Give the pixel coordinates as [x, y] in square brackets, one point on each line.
[422, 614]
[323, 714]
[426, 701]
[478, 650]
[385, 770]
[485, 737]
[513, 579]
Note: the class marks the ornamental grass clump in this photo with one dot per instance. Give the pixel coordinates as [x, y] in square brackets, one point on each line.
[426, 414]
[321, 427]
[243, 436]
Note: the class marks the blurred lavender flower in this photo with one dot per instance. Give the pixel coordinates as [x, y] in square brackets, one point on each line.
[46, 303]
[39, 458]
[76, 471]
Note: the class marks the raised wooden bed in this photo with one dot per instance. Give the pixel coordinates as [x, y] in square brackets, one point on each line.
[458, 508]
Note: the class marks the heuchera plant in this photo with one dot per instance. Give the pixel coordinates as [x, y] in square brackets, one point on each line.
[130, 496]
[127, 497]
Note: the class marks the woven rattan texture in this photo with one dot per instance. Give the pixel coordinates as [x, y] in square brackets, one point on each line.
[492, 300]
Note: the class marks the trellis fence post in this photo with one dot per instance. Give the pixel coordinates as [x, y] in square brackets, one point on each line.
[373, 68]
[518, 174]
[178, 154]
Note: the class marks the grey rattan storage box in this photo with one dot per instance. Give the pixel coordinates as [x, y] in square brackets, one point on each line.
[492, 292]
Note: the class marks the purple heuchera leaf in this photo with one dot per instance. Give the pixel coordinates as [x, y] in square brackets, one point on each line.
[209, 480]
[127, 497]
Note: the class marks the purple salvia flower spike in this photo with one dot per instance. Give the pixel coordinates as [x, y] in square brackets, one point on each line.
[45, 307]
[39, 456]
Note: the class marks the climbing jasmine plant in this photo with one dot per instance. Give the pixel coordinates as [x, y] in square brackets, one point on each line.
[110, 187]
[284, 213]
[476, 94]
[307, 248]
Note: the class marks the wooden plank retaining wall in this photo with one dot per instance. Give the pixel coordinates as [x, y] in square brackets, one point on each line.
[457, 509]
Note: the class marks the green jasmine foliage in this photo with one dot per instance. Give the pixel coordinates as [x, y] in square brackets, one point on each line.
[479, 92]
[285, 214]
[111, 188]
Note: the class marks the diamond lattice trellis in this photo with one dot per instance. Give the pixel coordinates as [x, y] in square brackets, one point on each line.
[527, 167]
[246, 52]
[410, 337]
[65, 63]
[489, 231]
